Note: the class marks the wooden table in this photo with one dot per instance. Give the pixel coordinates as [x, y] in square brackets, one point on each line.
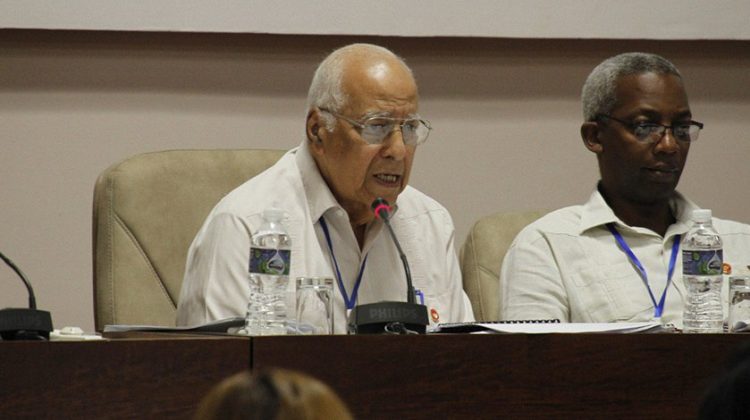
[510, 376]
[437, 376]
[159, 377]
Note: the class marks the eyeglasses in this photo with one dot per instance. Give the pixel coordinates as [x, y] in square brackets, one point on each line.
[652, 133]
[374, 130]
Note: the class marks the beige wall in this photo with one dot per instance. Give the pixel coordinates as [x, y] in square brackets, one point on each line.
[506, 115]
[577, 19]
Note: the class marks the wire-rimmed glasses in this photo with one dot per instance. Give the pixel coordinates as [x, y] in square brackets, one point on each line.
[375, 129]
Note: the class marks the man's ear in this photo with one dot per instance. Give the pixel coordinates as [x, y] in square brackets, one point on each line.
[591, 136]
[315, 130]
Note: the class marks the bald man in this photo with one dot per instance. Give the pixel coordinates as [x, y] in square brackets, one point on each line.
[362, 132]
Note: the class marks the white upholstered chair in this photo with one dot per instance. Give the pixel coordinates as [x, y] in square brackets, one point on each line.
[147, 209]
[482, 255]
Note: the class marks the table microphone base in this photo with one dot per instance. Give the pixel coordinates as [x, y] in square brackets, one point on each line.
[25, 324]
[388, 318]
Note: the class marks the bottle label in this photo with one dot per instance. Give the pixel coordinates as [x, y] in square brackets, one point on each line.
[703, 263]
[270, 261]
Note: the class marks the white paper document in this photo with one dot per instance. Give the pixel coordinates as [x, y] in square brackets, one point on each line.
[556, 327]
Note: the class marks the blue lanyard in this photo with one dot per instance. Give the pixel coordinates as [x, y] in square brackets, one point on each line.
[349, 301]
[658, 308]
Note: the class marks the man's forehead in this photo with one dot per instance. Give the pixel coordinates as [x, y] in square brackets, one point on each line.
[651, 90]
[381, 92]
[647, 82]
[369, 73]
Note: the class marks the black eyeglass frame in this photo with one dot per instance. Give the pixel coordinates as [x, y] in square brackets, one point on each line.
[649, 137]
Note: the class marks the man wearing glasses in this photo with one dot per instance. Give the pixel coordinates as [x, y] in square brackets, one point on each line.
[361, 135]
[610, 259]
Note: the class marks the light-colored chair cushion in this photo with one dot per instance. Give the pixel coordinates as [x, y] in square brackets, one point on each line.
[147, 210]
[482, 255]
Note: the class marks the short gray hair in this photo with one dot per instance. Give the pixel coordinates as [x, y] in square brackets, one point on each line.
[326, 87]
[599, 93]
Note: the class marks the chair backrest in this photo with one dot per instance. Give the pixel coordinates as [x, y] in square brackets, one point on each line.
[481, 257]
[147, 210]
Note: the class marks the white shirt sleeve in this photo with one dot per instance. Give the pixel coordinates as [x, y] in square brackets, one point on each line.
[216, 285]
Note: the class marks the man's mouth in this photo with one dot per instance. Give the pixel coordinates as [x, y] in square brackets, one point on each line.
[663, 173]
[388, 178]
[664, 169]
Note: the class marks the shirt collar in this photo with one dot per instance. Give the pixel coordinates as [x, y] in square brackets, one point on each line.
[682, 209]
[596, 212]
[319, 197]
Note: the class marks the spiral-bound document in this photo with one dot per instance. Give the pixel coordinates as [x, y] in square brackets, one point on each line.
[469, 327]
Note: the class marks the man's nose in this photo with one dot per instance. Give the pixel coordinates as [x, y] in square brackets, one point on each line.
[667, 143]
[394, 146]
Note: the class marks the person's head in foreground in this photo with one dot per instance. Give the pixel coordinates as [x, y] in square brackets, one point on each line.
[274, 394]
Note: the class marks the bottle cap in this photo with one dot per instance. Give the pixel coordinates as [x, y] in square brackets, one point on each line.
[702, 215]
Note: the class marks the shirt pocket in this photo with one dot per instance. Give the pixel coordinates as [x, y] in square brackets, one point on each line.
[610, 293]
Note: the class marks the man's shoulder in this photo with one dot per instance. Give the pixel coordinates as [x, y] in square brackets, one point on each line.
[729, 227]
[563, 221]
[275, 186]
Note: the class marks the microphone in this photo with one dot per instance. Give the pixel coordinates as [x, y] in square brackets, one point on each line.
[390, 317]
[24, 324]
[383, 211]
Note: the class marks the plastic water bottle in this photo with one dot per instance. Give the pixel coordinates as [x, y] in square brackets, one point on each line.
[702, 261]
[270, 256]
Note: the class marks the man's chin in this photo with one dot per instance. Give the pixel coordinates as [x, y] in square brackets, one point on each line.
[657, 193]
[391, 198]
[388, 194]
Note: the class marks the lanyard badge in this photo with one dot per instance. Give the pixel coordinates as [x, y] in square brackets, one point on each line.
[350, 301]
[658, 307]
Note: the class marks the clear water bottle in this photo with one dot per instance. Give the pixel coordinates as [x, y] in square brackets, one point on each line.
[702, 260]
[270, 256]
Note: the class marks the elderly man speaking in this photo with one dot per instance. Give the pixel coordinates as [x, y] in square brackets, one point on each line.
[362, 133]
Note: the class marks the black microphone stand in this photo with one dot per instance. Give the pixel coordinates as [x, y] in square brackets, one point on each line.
[21, 323]
[390, 317]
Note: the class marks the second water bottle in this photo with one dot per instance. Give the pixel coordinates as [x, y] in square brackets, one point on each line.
[702, 268]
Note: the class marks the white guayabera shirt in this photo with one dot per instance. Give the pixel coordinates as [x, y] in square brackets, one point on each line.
[568, 266]
[216, 276]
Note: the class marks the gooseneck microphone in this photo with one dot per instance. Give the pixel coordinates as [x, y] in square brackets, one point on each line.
[24, 324]
[32, 298]
[390, 317]
[383, 211]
